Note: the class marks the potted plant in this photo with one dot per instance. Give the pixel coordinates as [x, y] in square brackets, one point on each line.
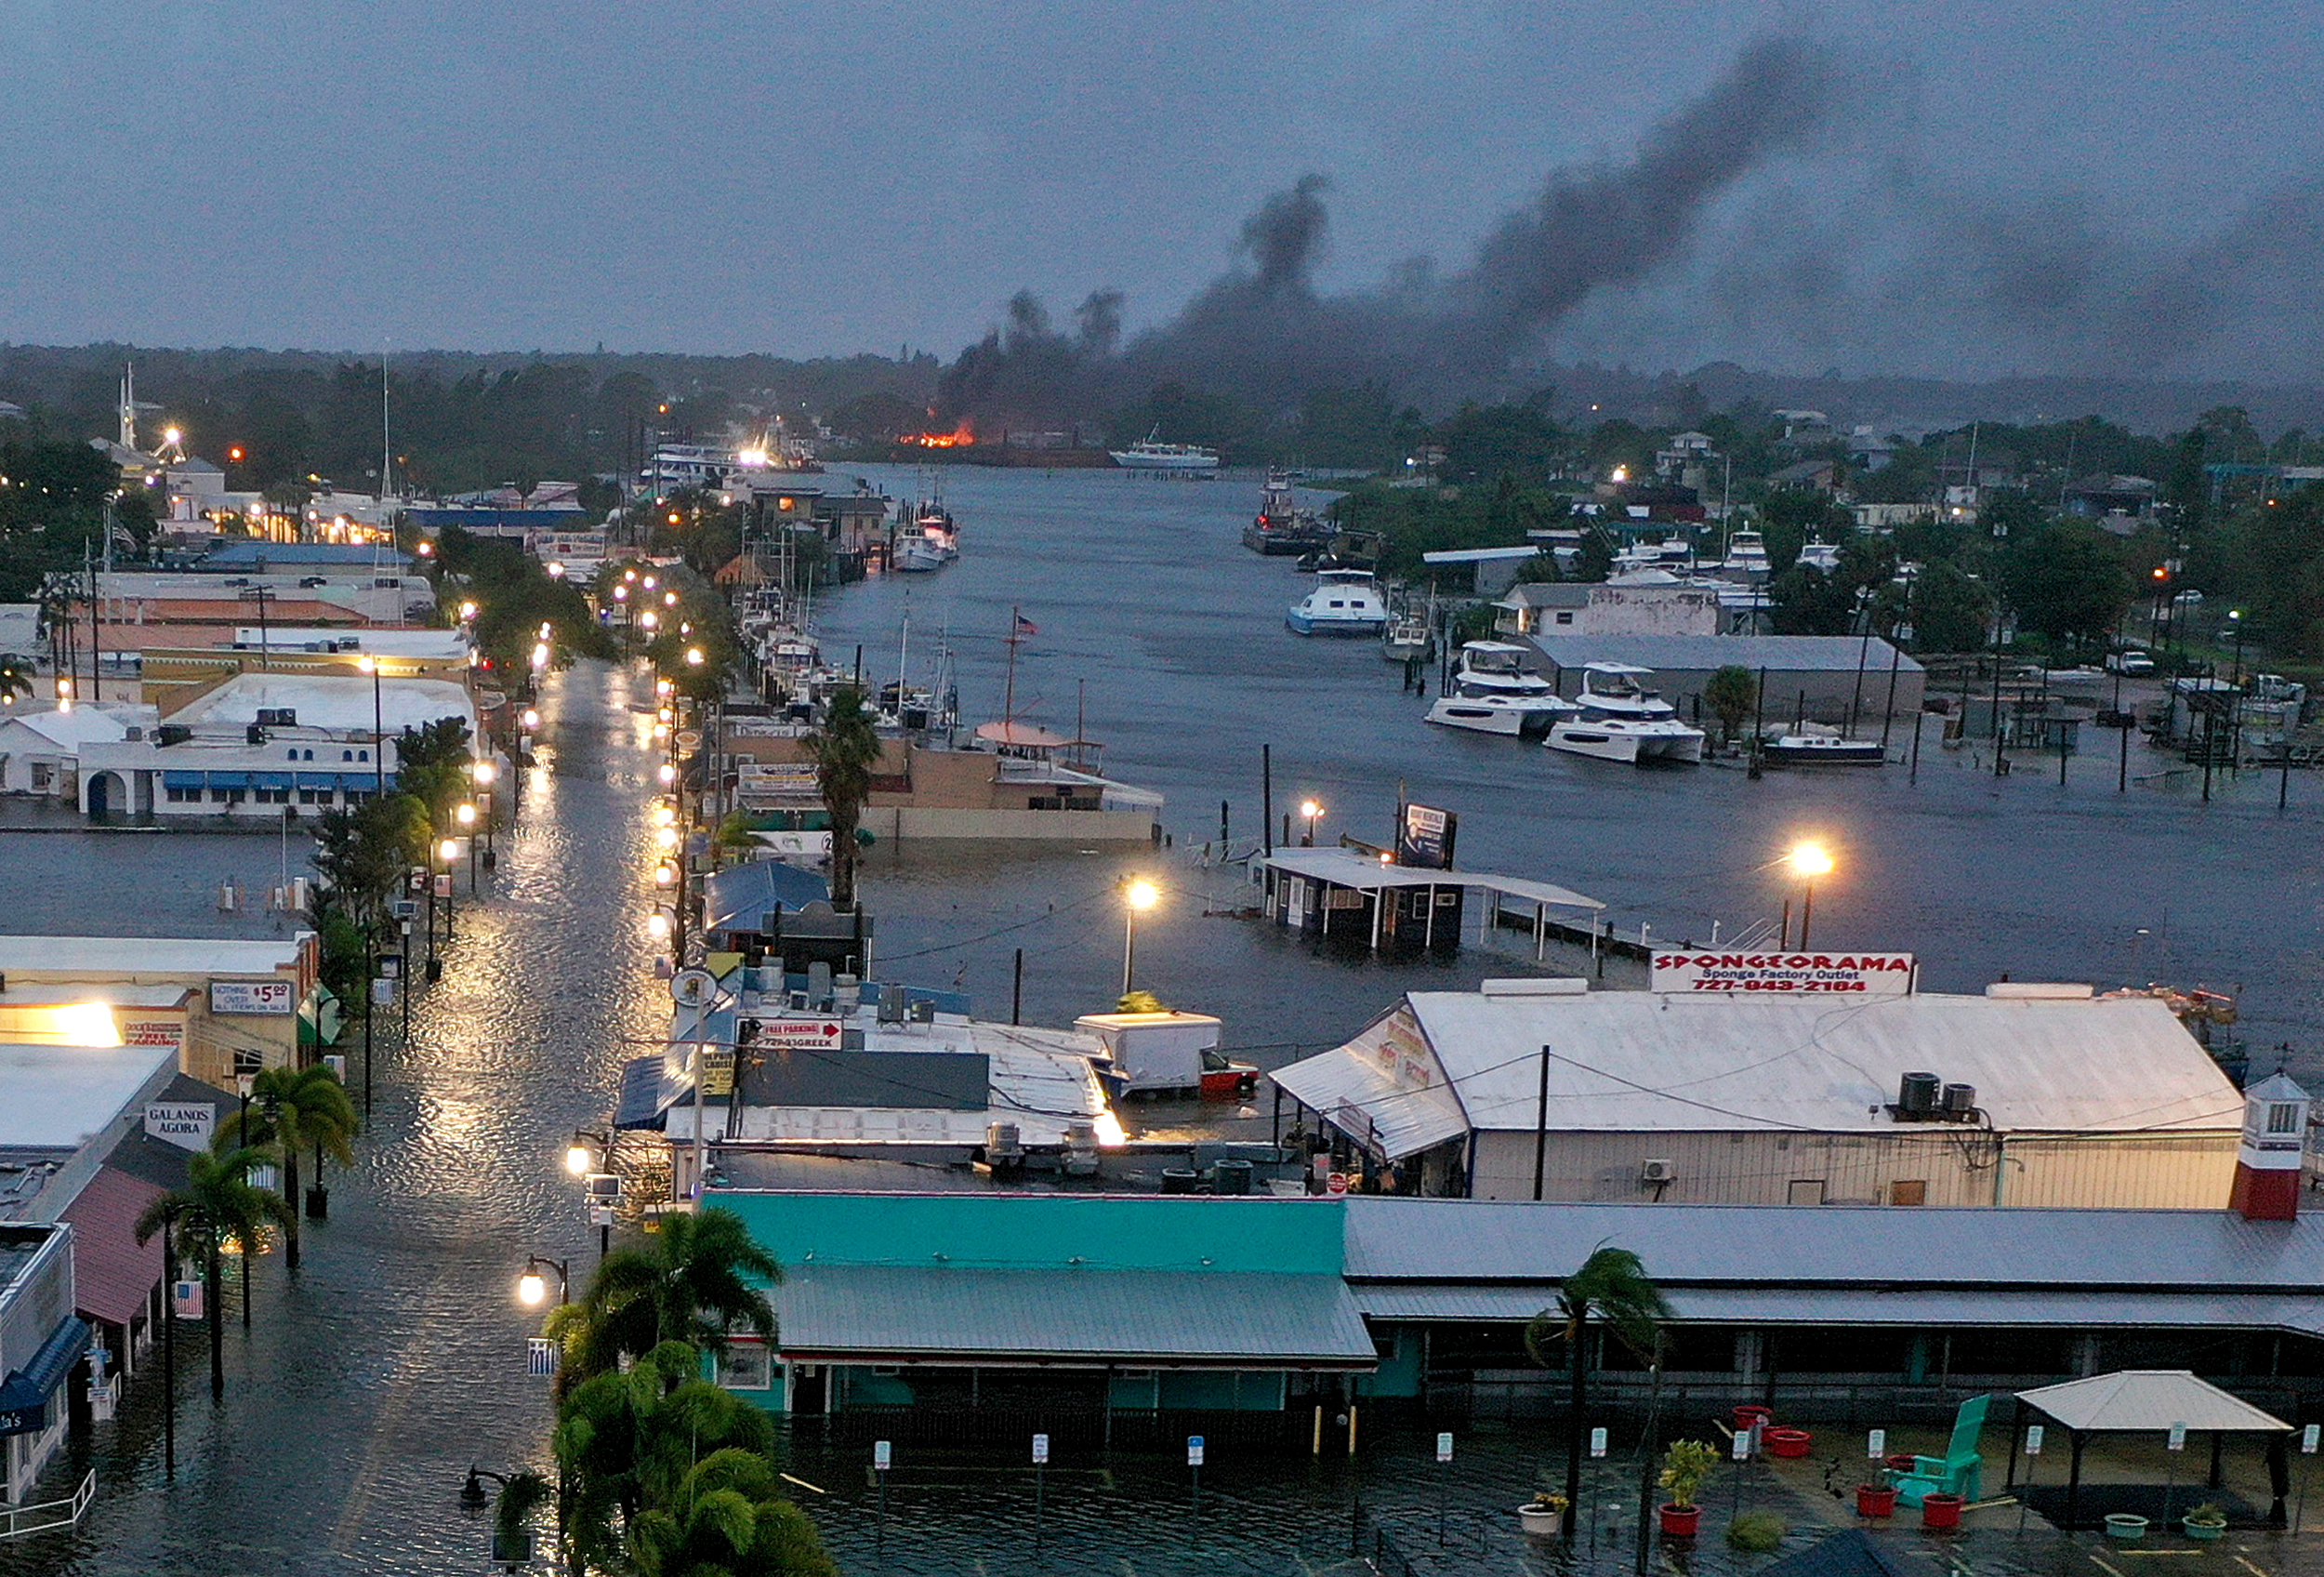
[2205, 1522]
[1940, 1510]
[1684, 1467]
[1876, 1500]
[1543, 1515]
[2126, 1527]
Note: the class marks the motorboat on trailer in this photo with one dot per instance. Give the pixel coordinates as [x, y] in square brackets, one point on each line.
[1622, 721]
[1345, 602]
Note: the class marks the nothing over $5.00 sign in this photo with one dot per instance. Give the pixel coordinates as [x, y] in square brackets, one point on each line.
[1781, 974]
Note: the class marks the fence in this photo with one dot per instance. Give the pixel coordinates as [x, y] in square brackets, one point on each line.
[19, 1522]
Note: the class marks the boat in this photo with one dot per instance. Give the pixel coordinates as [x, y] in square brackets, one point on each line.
[930, 540]
[1344, 602]
[1175, 459]
[1281, 527]
[1407, 636]
[1675, 551]
[1493, 693]
[1813, 745]
[1620, 721]
[1746, 553]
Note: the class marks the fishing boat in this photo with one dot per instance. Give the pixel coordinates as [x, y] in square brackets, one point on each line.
[1345, 602]
[930, 540]
[1175, 459]
[1622, 721]
[1812, 745]
[1407, 636]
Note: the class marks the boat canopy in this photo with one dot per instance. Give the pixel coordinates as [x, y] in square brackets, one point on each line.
[1614, 667]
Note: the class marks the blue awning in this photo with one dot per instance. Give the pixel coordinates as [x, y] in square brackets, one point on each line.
[319, 780]
[270, 780]
[228, 779]
[24, 1395]
[650, 1086]
[182, 780]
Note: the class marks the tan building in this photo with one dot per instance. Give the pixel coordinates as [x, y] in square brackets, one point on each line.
[228, 1007]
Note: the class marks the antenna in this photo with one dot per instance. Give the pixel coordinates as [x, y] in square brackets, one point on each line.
[387, 450]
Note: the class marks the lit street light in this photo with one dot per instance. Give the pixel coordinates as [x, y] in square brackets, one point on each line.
[1808, 861]
[378, 732]
[1137, 897]
[1313, 813]
[694, 656]
[532, 1287]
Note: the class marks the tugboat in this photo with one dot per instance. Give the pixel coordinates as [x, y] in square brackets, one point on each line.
[1283, 528]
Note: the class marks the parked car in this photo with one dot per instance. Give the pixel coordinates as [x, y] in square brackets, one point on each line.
[2132, 664]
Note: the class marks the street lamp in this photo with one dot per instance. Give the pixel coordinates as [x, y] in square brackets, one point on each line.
[450, 849]
[533, 1286]
[468, 612]
[667, 773]
[1313, 813]
[2235, 617]
[582, 1153]
[694, 656]
[532, 721]
[665, 875]
[370, 665]
[1138, 895]
[1808, 861]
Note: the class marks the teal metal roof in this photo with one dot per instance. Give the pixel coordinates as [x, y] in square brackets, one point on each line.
[1134, 1318]
[1045, 1231]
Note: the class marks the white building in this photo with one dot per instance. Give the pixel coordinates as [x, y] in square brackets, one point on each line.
[233, 775]
[40, 749]
[1664, 604]
[339, 702]
[2064, 1099]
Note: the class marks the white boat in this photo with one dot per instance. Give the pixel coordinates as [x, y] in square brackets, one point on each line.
[1344, 602]
[1407, 637]
[1622, 721]
[1494, 693]
[1811, 745]
[1180, 459]
[1673, 552]
[1746, 553]
[919, 551]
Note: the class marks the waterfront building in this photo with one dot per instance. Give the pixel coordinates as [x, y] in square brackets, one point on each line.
[1664, 604]
[1829, 679]
[253, 774]
[1543, 1089]
[40, 749]
[41, 1342]
[224, 1008]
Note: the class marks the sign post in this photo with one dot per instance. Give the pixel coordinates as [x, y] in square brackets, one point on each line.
[2308, 1439]
[1597, 1454]
[2033, 1461]
[2177, 1442]
[882, 1455]
[1040, 1462]
[1876, 1444]
[1443, 1481]
[1740, 1450]
[1194, 1470]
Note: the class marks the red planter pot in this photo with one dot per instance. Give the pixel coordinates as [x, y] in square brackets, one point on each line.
[1786, 1442]
[1680, 1521]
[1876, 1500]
[1902, 1462]
[1940, 1511]
[1750, 1415]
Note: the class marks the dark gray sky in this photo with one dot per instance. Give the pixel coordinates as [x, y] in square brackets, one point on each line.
[832, 175]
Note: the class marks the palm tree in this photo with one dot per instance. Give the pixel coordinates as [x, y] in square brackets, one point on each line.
[693, 1282]
[293, 1108]
[728, 1515]
[1612, 1287]
[218, 1206]
[16, 678]
[844, 750]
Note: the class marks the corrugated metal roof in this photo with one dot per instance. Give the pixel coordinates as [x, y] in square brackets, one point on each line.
[1380, 1083]
[2150, 1401]
[1468, 1240]
[1344, 869]
[1630, 1061]
[1122, 1317]
[1788, 654]
[741, 896]
[1869, 1306]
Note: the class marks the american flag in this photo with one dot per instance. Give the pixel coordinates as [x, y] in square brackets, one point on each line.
[1026, 627]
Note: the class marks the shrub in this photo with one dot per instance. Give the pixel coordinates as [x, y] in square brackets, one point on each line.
[1756, 1532]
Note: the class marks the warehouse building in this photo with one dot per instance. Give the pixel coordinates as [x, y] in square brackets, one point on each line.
[1828, 679]
[1873, 1093]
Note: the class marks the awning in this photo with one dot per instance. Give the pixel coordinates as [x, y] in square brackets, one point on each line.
[1134, 1319]
[24, 1395]
[112, 1273]
[2149, 1401]
[319, 779]
[182, 780]
[270, 780]
[650, 1086]
[320, 1019]
[228, 779]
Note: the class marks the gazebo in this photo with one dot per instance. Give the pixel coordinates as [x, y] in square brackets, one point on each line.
[2152, 1401]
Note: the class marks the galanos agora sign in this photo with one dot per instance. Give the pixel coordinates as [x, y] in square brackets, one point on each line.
[1854, 975]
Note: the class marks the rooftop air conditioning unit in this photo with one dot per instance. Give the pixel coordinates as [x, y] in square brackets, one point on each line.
[1658, 1171]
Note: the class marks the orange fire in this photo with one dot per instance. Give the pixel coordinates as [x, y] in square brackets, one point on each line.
[958, 438]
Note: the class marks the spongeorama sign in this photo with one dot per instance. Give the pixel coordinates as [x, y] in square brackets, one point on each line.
[1781, 974]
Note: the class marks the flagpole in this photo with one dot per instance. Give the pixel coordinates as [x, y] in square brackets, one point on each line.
[1009, 702]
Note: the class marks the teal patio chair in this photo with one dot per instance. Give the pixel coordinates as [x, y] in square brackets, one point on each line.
[1961, 1471]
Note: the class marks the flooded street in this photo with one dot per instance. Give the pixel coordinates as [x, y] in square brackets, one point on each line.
[371, 1382]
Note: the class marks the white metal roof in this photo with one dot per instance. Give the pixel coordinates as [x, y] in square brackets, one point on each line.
[1344, 869]
[2150, 1401]
[56, 1097]
[327, 700]
[1625, 1061]
[1382, 1085]
[1478, 555]
[136, 956]
[51, 993]
[81, 726]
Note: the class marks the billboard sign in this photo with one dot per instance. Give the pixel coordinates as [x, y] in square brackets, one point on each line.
[1426, 836]
[273, 997]
[1781, 974]
[186, 1124]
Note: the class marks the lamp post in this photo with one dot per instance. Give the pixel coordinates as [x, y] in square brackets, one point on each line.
[486, 772]
[532, 1287]
[465, 813]
[1137, 897]
[370, 665]
[1808, 861]
[2235, 619]
[1311, 813]
[450, 849]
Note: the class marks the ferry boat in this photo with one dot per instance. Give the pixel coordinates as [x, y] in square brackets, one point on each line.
[1177, 459]
[1622, 721]
[1494, 693]
[1344, 602]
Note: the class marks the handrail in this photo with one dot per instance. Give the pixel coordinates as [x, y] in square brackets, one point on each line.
[16, 1522]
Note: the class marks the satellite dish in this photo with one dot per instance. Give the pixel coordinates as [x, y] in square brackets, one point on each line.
[693, 988]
